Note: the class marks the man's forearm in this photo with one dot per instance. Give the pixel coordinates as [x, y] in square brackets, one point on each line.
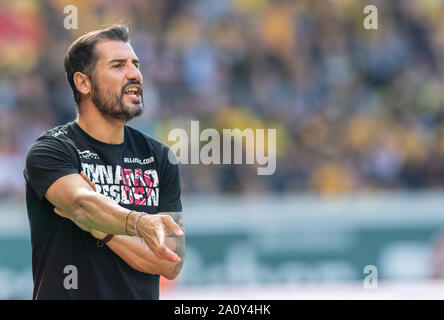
[101, 213]
[95, 213]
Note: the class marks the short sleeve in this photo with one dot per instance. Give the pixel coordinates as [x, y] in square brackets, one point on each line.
[169, 193]
[47, 160]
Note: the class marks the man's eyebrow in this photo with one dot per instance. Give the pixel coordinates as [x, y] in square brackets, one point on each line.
[122, 60]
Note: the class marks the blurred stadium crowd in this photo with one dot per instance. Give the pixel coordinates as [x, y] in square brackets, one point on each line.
[354, 109]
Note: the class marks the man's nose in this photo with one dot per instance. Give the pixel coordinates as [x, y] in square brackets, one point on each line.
[134, 74]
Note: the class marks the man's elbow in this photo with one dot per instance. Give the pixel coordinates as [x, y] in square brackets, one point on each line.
[171, 276]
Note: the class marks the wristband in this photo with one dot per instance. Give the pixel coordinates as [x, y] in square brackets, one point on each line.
[108, 237]
[101, 242]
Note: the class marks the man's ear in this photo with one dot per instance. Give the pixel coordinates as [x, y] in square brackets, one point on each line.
[82, 82]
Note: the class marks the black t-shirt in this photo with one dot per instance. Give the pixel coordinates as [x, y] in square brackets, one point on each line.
[136, 174]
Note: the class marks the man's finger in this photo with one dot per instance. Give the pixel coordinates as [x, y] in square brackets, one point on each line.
[160, 235]
[167, 254]
[159, 248]
[174, 227]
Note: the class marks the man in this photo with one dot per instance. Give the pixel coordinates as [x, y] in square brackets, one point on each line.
[136, 210]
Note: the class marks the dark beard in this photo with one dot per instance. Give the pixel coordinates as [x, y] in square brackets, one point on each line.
[112, 107]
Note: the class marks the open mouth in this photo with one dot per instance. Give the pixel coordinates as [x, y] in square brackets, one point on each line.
[133, 91]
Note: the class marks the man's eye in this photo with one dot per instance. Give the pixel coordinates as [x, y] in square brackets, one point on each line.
[117, 66]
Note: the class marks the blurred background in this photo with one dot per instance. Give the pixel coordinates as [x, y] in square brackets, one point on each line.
[359, 116]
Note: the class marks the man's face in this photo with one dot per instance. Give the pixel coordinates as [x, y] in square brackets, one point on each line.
[116, 87]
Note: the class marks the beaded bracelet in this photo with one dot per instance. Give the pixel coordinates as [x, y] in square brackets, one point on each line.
[135, 225]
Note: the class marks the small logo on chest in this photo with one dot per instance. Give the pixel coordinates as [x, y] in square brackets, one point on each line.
[87, 154]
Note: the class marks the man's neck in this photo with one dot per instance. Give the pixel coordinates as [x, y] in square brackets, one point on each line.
[97, 126]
